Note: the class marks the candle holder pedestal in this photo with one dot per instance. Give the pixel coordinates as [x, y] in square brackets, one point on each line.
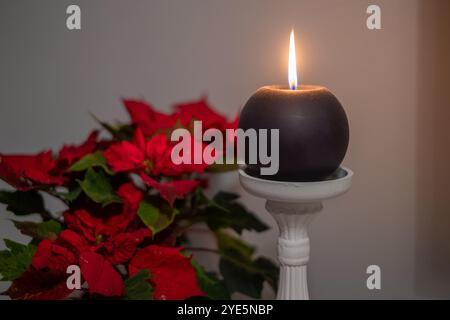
[294, 205]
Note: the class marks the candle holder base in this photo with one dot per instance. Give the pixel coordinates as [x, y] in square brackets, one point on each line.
[294, 205]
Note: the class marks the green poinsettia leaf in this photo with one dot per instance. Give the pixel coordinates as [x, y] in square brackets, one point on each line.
[137, 287]
[72, 194]
[156, 218]
[225, 197]
[241, 272]
[15, 260]
[213, 287]
[91, 160]
[120, 132]
[98, 188]
[269, 270]
[224, 211]
[39, 231]
[200, 199]
[232, 246]
[239, 279]
[23, 202]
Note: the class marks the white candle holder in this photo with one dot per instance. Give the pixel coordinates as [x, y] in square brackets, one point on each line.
[294, 205]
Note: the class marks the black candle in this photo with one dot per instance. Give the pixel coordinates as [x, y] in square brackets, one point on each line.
[313, 128]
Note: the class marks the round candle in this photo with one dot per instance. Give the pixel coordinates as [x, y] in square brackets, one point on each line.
[313, 127]
[313, 130]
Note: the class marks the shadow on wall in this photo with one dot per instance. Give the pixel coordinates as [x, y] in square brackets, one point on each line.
[433, 152]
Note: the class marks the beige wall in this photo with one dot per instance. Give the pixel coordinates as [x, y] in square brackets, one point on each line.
[433, 152]
[393, 84]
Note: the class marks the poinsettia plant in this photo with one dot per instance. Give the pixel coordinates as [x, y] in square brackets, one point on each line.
[129, 214]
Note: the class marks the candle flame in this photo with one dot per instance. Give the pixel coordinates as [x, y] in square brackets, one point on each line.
[292, 71]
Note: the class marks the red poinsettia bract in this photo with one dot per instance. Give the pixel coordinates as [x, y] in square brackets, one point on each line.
[153, 156]
[109, 241]
[25, 172]
[172, 274]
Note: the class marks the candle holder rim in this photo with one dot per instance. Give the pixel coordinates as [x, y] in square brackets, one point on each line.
[296, 192]
[348, 174]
